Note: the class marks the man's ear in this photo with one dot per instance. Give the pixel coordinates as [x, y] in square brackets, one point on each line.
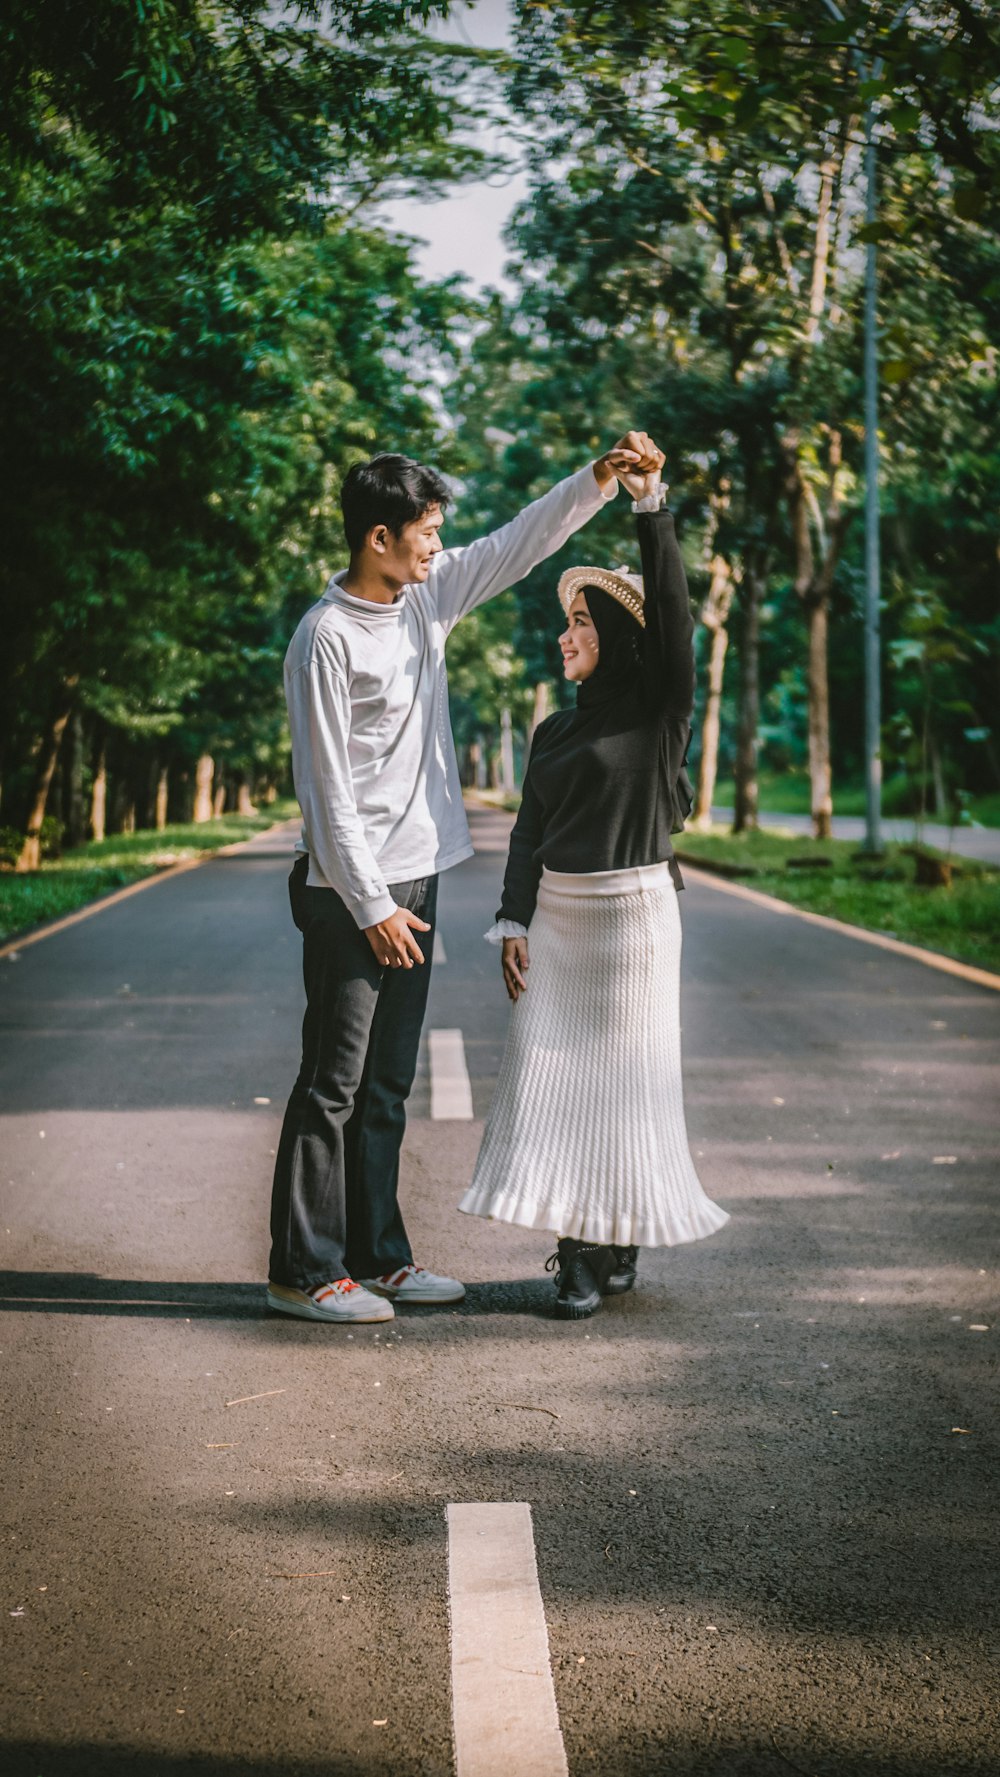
[378, 538]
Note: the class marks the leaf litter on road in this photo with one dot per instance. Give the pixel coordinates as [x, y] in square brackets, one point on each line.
[526, 1407]
[320, 1573]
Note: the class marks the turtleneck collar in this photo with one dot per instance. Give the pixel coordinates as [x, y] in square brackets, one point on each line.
[335, 594]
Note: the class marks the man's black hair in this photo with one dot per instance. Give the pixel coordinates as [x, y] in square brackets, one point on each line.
[390, 490]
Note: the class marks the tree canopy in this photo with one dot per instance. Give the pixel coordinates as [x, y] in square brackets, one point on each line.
[693, 243]
[203, 322]
[200, 328]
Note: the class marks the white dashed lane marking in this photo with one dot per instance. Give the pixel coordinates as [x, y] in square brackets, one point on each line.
[451, 1093]
[503, 1702]
[440, 955]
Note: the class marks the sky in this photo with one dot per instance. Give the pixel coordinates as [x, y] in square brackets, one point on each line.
[462, 233]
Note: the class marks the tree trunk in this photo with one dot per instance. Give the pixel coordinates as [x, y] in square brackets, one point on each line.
[820, 770]
[746, 796]
[204, 772]
[937, 779]
[244, 803]
[821, 249]
[30, 855]
[57, 794]
[99, 795]
[506, 753]
[714, 615]
[76, 814]
[161, 800]
[846, 156]
[813, 581]
[540, 708]
[219, 800]
[708, 763]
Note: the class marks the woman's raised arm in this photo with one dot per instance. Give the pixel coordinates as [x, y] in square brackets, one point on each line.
[668, 652]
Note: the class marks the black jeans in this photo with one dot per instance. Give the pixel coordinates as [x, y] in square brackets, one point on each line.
[334, 1208]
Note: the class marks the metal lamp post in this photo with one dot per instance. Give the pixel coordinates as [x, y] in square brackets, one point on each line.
[873, 559]
[873, 566]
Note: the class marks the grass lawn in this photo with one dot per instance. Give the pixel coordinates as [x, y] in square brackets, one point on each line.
[64, 884]
[787, 792]
[962, 921]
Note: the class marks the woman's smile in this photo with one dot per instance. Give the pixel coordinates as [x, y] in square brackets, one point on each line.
[579, 643]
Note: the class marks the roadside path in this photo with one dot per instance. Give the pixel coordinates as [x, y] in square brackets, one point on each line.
[760, 1488]
[967, 842]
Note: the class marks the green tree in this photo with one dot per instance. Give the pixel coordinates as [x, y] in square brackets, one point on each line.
[692, 236]
[196, 337]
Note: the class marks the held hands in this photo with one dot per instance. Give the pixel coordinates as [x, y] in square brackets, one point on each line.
[636, 461]
[393, 942]
[514, 963]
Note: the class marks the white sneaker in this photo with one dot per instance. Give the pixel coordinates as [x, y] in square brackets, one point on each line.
[342, 1300]
[411, 1283]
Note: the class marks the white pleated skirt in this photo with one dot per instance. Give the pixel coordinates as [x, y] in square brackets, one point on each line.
[586, 1134]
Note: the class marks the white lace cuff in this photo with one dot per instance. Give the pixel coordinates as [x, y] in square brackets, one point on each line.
[505, 928]
[652, 501]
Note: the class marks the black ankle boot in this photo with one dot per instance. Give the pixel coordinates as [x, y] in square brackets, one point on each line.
[621, 1276]
[582, 1271]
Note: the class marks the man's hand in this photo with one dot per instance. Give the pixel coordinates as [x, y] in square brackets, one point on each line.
[514, 963]
[634, 459]
[393, 942]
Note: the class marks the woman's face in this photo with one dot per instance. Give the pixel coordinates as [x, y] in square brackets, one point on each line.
[579, 642]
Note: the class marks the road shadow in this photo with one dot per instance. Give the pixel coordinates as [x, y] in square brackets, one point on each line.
[34, 1758]
[84, 1292]
[754, 1755]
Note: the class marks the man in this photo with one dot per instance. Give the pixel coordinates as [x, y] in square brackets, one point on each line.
[377, 780]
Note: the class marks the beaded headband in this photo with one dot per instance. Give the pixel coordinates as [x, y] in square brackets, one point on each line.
[625, 587]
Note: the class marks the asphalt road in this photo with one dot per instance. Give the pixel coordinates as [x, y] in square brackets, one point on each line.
[763, 1486]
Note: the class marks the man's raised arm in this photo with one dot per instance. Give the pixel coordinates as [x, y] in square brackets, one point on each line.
[461, 579]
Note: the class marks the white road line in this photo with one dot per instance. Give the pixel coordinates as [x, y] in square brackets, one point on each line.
[440, 953]
[451, 1093]
[503, 1702]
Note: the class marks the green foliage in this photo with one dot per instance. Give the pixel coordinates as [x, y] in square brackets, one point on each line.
[666, 264]
[485, 673]
[200, 329]
[243, 109]
[199, 332]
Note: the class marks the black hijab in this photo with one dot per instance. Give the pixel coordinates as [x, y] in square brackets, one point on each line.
[620, 640]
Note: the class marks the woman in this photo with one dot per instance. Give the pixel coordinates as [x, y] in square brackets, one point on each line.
[586, 1132]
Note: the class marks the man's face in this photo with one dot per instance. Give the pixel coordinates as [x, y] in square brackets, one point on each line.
[407, 558]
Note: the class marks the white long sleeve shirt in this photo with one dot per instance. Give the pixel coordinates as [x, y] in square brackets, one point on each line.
[373, 756]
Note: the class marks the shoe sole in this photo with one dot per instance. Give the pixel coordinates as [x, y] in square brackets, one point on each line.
[415, 1296]
[302, 1311]
[578, 1310]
